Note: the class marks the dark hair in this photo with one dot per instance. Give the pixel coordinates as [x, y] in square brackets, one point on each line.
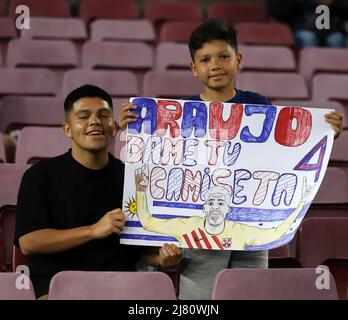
[210, 30]
[87, 90]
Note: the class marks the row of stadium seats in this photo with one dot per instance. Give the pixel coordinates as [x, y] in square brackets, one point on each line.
[169, 83]
[152, 10]
[167, 55]
[229, 284]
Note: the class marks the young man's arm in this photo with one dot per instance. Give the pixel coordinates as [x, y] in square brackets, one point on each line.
[45, 241]
[169, 255]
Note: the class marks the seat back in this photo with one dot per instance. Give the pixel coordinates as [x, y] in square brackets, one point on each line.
[36, 143]
[9, 291]
[271, 284]
[110, 9]
[322, 238]
[83, 285]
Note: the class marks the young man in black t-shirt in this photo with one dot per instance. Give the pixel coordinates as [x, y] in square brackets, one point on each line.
[68, 210]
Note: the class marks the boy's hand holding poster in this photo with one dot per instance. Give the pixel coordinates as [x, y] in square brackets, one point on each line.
[222, 176]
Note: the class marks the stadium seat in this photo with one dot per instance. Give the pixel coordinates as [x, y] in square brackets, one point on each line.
[330, 87]
[55, 29]
[274, 85]
[7, 29]
[41, 8]
[170, 84]
[83, 285]
[339, 270]
[322, 104]
[173, 11]
[273, 33]
[18, 258]
[119, 83]
[117, 55]
[17, 112]
[2, 149]
[339, 154]
[122, 30]
[271, 284]
[322, 238]
[109, 9]
[237, 12]
[27, 81]
[36, 143]
[281, 258]
[177, 31]
[10, 292]
[10, 178]
[313, 60]
[172, 56]
[267, 58]
[334, 187]
[41, 53]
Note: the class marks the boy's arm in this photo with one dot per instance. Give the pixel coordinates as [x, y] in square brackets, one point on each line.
[169, 255]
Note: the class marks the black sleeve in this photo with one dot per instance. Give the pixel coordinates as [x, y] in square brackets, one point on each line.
[32, 208]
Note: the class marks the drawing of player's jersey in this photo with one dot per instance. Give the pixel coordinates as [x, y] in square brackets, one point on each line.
[200, 239]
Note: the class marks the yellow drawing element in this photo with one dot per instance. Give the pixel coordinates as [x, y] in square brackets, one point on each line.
[131, 207]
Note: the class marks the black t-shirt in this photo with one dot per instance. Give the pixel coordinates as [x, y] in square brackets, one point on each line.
[245, 97]
[60, 193]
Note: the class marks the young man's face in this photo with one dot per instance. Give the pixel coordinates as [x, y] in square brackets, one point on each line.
[215, 209]
[90, 125]
[216, 65]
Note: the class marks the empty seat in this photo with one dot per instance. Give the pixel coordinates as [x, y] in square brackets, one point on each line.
[172, 56]
[273, 33]
[238, 12]
[41, 8]
[313, 103]
[28, 81]
[122, 30]
[267, 58]
[42, 53]
[330, 87]
[91, 9]
[9, 290]
[169, 11]
[118, 83]
[177, 31]
[36, 143]
[339, 154]
[117, 55]
[170, 84]
[83, 285]
[10, 178]
[17, 112]
[322, 238]
[314, 60]
[55, 29]
[7, 29]
[2, 150]
[334, 187]
[271, 284]
[274, 85]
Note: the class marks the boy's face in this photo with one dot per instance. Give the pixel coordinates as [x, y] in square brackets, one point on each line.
[216, 65]
[90, 124]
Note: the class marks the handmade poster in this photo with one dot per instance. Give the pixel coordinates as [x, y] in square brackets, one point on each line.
[221, 176]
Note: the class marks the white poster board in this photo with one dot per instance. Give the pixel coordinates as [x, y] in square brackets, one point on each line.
[221, 176]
